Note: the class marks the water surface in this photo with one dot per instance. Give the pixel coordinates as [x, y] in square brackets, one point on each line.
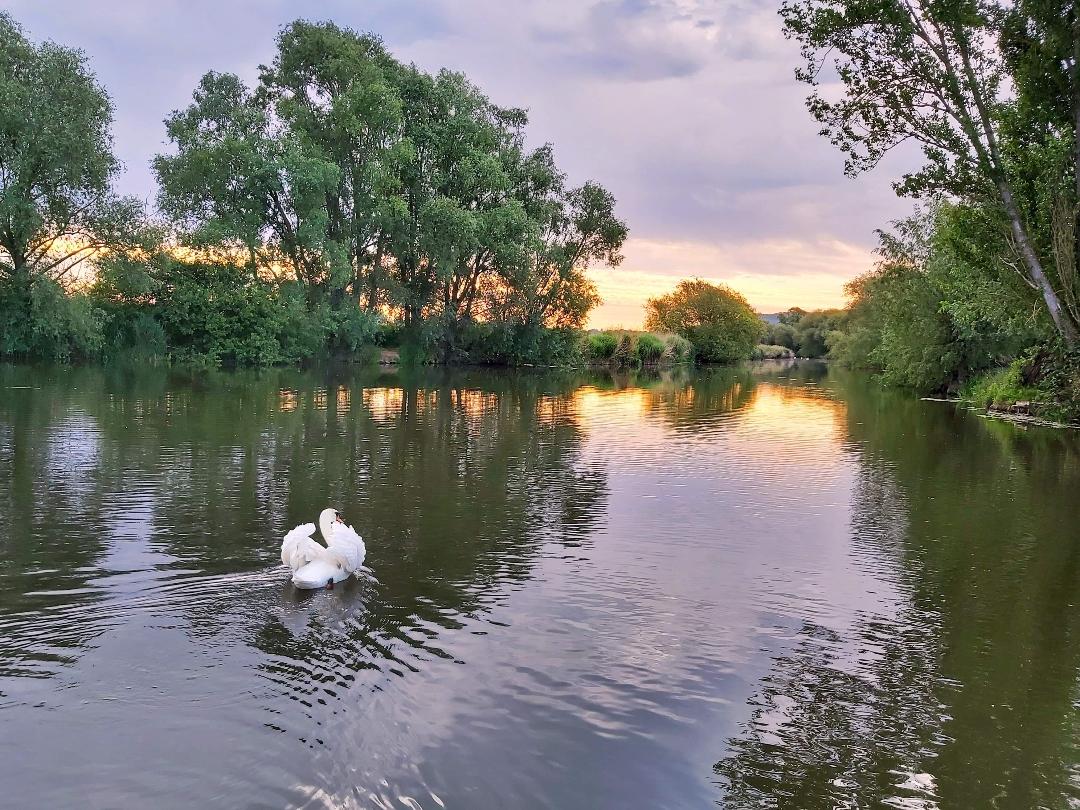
[778, 586]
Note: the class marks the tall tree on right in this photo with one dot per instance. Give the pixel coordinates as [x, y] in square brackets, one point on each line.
[946, 74]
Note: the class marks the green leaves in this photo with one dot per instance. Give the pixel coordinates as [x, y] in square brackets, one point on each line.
[717, 320]
[57, 208]
[981, 86]
[368, 179]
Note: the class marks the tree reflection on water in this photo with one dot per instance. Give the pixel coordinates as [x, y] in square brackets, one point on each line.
[966, 695]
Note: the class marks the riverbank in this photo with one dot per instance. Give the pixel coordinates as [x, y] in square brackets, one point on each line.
[1042, 386]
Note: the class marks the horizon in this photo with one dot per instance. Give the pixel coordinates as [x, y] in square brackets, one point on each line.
[724, 179]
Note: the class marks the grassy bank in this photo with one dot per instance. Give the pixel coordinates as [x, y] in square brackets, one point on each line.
[1042, 383]
[627, 348]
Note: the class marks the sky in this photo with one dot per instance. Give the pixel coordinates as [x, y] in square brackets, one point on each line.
[687, 110]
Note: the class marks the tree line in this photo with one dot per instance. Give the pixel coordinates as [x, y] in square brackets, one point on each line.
[343, 200]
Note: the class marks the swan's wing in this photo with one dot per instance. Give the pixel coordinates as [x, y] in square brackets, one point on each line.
[348, 546]
[298, 548]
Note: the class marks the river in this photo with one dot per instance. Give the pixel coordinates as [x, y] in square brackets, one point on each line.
[772, 586]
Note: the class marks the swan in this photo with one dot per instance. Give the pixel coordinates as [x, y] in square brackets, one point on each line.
[314, 565]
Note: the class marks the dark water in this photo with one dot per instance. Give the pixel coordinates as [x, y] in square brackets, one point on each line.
[771, 587]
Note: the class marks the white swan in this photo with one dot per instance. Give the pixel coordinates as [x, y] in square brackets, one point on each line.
[314, 565]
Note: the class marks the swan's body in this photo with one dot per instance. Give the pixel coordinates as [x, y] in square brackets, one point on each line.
[316, 566]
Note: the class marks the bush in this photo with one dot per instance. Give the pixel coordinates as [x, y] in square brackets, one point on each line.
[764, 351]
[352, 329]
[649, 348]
[43, 321]
[1000, 388]
[600, 345]
[717, 320]
[132, 331]
[1058, 374]
[624, 354]
[509, 343]
[214, 315]
[1048, 378]
[678, 349]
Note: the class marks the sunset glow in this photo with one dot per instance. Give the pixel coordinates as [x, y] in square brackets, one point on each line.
[774, 275]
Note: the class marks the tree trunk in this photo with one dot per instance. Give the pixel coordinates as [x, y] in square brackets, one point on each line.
[373, 279]
[1074, 76]
[19, 336]
[1063, 321]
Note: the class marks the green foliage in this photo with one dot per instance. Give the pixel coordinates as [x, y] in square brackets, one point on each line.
[209, 314]
[990, 92]
[649, 348]
[343, 188]
[351, 329]
[805, 333]
[1056, 372]
[780, 334]
[131, 332]
[677, 349]
[56, 165]
[1000, 388]
[714, 318]
[626, 348]
[372, 181]
[624, 351]
[42, 321]
[941, 306]
[764, 351]
[600, 345]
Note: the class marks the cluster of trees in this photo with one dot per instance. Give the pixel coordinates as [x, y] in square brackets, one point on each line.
[807, 334]
[346, 198]
[986, 272]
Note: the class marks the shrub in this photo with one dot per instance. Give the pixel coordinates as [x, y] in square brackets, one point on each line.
[1000, 388]
[41, 320]
[131, 331]
[763, 351]
[624, 354]
[600, 345]
[678, 349]
[352, 329]
[714, 318]
[649, 348]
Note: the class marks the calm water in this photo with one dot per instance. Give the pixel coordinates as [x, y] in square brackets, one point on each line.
[768, 587]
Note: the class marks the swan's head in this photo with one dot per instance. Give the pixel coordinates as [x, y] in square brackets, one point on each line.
[327, 519]
[330, 516]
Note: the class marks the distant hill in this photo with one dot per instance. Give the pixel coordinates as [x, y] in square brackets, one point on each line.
[773, 317]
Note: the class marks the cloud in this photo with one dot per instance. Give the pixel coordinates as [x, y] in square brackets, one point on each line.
[631, 40]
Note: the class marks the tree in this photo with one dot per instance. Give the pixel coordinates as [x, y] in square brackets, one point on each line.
[377, 184]
[57, 207]
[335, 90]
[939, 306]
[239, 180]
[931, 72]
[571, 230]
[718, 321]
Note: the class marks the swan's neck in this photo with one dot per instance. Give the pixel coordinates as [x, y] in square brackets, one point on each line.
[326, 526]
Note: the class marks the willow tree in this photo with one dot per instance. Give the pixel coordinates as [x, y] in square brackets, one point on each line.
[237, 180]
[571, 230]
[335, 90]
[295, 171]
[57, 207]
[929, 72]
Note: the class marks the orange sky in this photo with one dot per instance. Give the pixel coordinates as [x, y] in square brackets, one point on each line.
[774, 275]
